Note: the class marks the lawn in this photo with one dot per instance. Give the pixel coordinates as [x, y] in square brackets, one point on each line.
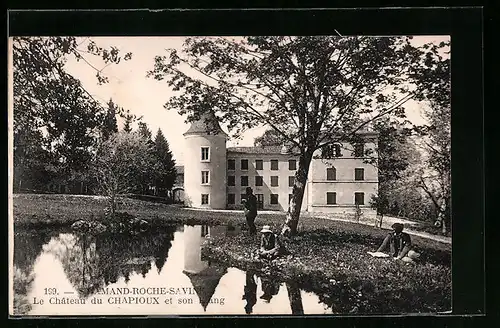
[328, 257]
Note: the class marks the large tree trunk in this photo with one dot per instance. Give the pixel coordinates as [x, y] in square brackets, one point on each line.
[293, 214]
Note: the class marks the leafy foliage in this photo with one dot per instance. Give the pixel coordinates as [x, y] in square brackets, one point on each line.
[53, 114]
[120, 164]
[145, 132]
[395, 154]
[434, 81]
[110, 124]
[269, 138]
[166, 173]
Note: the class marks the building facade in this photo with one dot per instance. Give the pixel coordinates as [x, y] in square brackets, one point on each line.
[216, 176]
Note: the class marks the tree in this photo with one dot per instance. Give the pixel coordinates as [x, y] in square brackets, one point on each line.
[129, 119]
[393, 157]
[120, 160]
[269, 138]
[148, 178]
[110, 125]
[313, 91]
[432, 75]
[51, 107]
[145, 132]
[166, 173]
[33, 164]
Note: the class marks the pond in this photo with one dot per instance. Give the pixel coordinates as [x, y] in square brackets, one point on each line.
[59, 272]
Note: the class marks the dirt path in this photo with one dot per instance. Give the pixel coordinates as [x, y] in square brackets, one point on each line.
[386, 224]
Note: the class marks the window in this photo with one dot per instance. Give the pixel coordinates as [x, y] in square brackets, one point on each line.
[244, 181]
[359, 198]
[359, 150]
[259, 164]
[291, 181]
[231, 164]
[274, 199]
[292, 164]
[331, 198]
[274, 164]
[290, 196]
[274, 181]
[244, 164]
[231, 199]
[331, 173]
[337, 152]
[205, 154]
[243, 197]
[204, 177]
[259, 181]
[359, 174]
[330, 151]
[327, 151]
[231, 180]
[260, 201]
[204, 199]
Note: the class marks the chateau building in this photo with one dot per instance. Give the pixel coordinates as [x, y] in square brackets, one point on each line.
[216, 176]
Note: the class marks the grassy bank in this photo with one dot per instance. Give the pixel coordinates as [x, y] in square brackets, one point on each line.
[32, 210]
[333, 262]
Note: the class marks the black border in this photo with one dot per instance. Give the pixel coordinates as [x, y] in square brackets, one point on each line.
[465, 25]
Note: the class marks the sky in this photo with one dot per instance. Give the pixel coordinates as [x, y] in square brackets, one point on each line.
[130, 88]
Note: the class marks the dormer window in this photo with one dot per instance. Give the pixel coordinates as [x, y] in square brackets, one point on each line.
[331, 151]
[205, 154]
[359, 150]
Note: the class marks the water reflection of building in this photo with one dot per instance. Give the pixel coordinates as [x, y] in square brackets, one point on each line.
[204, 275]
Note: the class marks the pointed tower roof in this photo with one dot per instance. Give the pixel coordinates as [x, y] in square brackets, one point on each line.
[206, 124]
[205, 282]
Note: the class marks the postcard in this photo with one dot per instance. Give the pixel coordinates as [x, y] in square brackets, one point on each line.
[243, 175]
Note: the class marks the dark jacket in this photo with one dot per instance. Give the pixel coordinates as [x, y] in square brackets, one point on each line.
[399, 244]
[271, 243]
[251, 205]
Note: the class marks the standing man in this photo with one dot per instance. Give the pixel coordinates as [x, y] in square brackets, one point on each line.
[250, 208]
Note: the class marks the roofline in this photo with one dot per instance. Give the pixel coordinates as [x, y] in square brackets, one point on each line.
[290, 153]
[220, 133]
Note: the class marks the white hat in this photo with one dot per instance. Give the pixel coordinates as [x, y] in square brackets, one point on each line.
[266, 228]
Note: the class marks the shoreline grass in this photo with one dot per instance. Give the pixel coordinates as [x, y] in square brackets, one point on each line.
[334, 263]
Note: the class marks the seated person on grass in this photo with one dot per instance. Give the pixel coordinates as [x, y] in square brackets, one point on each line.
[399, 243]
[270, 244]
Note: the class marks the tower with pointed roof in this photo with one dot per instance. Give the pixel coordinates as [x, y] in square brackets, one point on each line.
[205, 163]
